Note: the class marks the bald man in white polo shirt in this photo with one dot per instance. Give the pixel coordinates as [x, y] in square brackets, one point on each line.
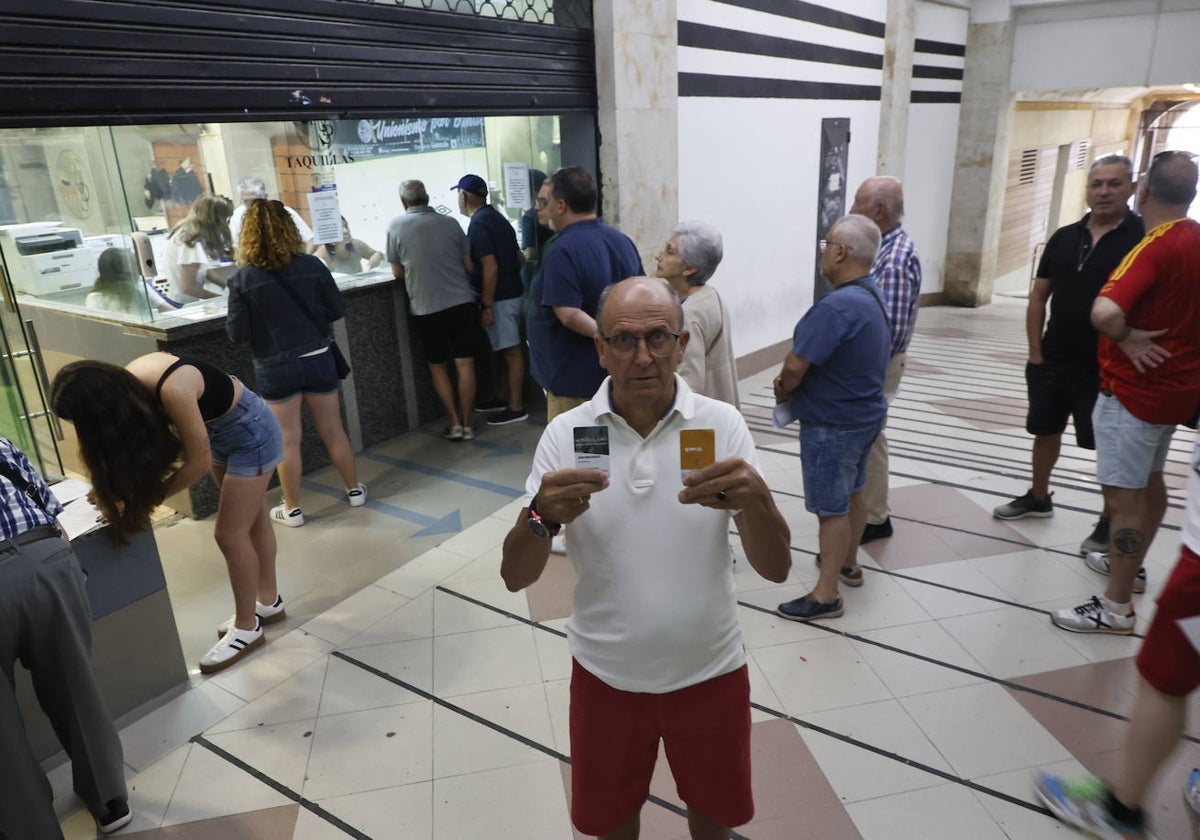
[657, 650]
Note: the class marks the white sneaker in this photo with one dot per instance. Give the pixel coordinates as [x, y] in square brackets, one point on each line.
[233, 646]
[1094, 617]
[1097, 561]
[266, 614]
[358, 496]
[468, 432]
[292, 518]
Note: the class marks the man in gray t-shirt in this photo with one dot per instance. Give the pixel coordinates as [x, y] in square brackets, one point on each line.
[429, 252]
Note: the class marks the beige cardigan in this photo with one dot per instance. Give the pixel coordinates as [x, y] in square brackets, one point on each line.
[708, 366]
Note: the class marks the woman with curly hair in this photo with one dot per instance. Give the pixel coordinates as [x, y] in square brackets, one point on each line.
[151, 429]
[197, 249]
[282, 301]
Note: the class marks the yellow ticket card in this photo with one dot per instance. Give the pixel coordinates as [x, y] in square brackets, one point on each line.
[697, 448]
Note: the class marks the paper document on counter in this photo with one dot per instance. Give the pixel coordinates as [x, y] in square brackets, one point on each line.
[79, 517]
[70, 489]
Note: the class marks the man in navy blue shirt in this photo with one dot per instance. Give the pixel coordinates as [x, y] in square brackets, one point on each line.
[834, 379]
[496, 279]
[587, 256]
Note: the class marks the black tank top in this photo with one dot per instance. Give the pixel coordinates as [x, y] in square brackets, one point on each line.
[218, 387]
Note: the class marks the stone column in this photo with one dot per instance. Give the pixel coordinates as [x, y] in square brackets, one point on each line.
[899, 41]
[981, 159]
[637, 78]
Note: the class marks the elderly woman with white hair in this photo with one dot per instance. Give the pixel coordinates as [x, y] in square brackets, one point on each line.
[687, 262]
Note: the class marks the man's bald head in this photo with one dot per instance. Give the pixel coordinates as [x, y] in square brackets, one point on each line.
[638, 291]
[881, 199]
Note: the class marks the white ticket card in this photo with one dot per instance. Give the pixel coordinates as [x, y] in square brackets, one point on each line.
[591, 448]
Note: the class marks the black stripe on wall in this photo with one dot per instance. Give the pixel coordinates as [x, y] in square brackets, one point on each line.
[811, 13]
[940, 47]
[940, 97]
[931, 71]
[745, 87]
[703, 36]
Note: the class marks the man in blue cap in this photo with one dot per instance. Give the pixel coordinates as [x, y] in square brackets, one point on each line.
[496, 279]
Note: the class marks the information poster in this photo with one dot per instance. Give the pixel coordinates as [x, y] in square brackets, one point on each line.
[831, 187]
[516, 186]
[326, 215]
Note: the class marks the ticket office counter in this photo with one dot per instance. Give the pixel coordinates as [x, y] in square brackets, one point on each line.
[128, 595]
[388, 392]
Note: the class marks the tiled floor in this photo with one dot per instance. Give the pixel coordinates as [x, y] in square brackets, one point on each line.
[409, 695]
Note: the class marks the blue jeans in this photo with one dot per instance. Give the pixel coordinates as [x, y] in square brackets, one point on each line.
[246, 440]
[834, 464]
[1127, 449]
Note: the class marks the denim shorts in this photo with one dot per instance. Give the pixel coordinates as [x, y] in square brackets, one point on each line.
[834, 464]
[505, 330]
[246, 440]
[1127, 449]
[305, 375]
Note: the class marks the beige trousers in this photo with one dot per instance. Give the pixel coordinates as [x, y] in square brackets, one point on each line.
[875, 491]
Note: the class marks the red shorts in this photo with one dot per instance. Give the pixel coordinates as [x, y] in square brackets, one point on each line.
[705, 729]
[1167, 660]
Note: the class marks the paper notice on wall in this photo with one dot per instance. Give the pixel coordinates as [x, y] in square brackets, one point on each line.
[516, 186]
[326, 216]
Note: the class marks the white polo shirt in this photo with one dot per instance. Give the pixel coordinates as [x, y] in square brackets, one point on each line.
[655, 608]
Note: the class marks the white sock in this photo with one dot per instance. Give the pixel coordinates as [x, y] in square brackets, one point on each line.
[1123, 610]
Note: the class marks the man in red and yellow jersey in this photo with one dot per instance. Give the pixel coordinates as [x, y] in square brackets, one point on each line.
[1148, 316]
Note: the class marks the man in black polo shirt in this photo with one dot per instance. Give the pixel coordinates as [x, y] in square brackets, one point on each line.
[1062, 373]
[497, 281]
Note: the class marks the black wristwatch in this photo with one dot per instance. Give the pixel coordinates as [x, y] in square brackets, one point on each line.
[541, 527]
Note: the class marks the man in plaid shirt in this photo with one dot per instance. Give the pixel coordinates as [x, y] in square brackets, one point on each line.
[897, 273]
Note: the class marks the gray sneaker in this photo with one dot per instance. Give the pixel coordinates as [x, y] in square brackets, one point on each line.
[1025, 506]
[1097, 540]
[1093, 617]
[1097, 561]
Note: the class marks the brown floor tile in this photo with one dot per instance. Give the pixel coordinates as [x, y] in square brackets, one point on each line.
[992, 413]
[552, 596]
[1083, 733]
[1107, 685]
[931, 503]
[915, 544]
[980, 535]
[267, 824]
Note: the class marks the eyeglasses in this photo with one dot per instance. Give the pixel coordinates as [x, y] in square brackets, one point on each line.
[659, 343]
[825, 243]
[541, 202]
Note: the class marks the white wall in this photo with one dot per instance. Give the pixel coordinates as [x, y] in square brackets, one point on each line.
[932, 139]
[750, 166]
[1119, 43]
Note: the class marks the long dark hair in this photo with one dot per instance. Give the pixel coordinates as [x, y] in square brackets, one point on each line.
[115, 277]
[125, 438]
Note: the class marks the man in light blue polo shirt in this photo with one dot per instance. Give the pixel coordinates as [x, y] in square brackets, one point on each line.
[430, 254]
[834, 379]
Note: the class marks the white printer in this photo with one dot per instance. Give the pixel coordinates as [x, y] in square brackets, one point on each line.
[44, 258]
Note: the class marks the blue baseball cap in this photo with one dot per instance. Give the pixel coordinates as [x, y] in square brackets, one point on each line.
[472, 184]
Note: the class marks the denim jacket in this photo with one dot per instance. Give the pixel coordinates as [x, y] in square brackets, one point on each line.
[266, 316]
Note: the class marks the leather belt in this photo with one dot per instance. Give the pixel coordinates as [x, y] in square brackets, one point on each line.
[41, 532]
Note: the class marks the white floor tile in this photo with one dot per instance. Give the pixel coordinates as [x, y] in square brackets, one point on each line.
[942, 602]
[422, 573]
[820, 674]
[414, 620]
[554, 655]
[454, 615]
[296, 698]
[151, 790]
[353, 615]
[467, 663]
[280, 751]
[462, 745]
[485, 536]
[1013, 642]
[558, 701]
[271, 664]
[949, 812]
[906, 675]
[411, 662]
[207, 780]
[362, 751]
[983, 731]
[398, 813]
[856, 773]
[513, 803]
[170, 726]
